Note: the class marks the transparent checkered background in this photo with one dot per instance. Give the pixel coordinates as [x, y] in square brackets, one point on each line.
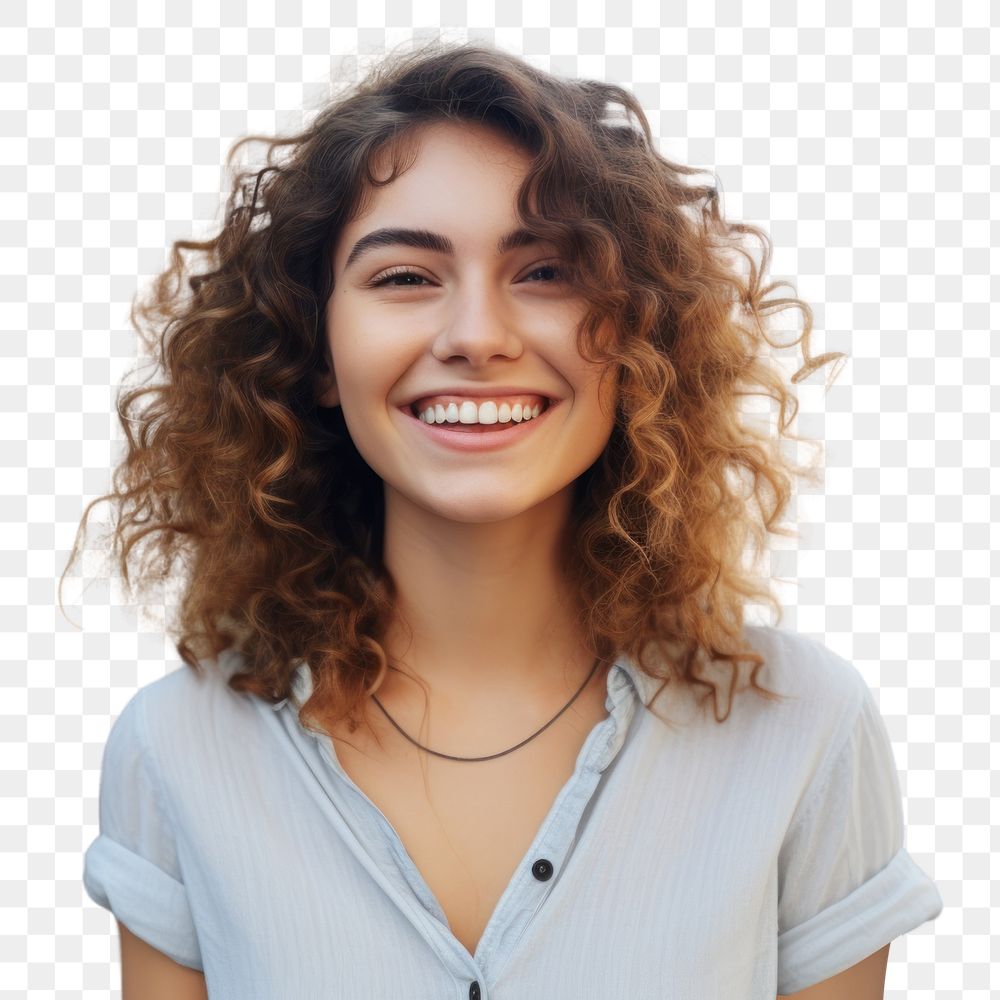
[858, 134]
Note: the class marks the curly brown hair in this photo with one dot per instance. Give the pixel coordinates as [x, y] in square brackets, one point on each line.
[234, 468]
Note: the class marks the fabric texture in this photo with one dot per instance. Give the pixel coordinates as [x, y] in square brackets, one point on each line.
[687, 859]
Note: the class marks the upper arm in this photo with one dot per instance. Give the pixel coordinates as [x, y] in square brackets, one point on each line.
[133, 868]
[863, 981]
[148, 974]
[846, 883]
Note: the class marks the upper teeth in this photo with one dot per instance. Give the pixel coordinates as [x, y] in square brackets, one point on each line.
[488, 412]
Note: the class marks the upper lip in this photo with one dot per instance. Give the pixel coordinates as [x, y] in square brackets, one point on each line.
[479, 392]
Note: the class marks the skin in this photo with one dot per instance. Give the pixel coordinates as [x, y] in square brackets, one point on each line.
[148, 974]
[862, 981]
[470, 538]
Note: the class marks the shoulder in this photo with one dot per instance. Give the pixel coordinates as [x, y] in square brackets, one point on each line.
[805, 668]
[823, 694]
[177, 689]
[815, 682]
[192, 708]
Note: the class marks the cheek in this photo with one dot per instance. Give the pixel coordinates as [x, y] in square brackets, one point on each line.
[599, 392]
[368, 375]
[360, 356]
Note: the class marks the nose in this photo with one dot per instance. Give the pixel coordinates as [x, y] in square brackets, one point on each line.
[478, 326]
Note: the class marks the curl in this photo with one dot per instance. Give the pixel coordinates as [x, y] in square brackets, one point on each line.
[233, 471]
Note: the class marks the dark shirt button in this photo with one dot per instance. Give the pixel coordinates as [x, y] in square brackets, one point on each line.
[474, 991]
[542, 870]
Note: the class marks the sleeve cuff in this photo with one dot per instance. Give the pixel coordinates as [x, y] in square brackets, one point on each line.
[900, 897]
[146, 899]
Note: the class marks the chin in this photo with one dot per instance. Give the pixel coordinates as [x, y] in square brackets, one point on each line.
[470, 509]
[486, 512]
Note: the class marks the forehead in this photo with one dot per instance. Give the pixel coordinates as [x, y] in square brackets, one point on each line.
[436, 144]
[467, 172]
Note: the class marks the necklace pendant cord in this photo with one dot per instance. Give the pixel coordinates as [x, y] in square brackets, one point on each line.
[502, 753]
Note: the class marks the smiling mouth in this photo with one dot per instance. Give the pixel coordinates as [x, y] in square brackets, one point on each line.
[412, 410]
[510, 428]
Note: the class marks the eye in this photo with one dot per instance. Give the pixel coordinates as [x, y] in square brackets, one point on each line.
[547, 267]
[391, 276]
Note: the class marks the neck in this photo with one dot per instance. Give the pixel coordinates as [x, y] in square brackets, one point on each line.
[485, 618]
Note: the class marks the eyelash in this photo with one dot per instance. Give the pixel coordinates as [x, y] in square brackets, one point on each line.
[383, 279]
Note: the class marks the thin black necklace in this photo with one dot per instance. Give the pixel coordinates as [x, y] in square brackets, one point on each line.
[491, 756]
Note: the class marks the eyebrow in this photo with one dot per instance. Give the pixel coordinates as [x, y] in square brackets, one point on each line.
[424, 239]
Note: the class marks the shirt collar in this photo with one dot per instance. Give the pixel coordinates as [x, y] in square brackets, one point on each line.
[627, 688]
[625, 680]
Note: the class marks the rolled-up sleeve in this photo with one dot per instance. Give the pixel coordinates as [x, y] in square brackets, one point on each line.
[846, 884]
[131, 868]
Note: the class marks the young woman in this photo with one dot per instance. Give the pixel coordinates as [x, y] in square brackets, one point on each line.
[450, 438]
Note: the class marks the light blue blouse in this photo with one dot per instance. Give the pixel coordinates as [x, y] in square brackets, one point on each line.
[684, 859]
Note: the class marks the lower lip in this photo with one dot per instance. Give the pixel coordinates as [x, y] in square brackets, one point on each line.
[479, 440]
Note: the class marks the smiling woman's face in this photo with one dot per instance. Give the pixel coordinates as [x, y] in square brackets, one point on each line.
[406, 323]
